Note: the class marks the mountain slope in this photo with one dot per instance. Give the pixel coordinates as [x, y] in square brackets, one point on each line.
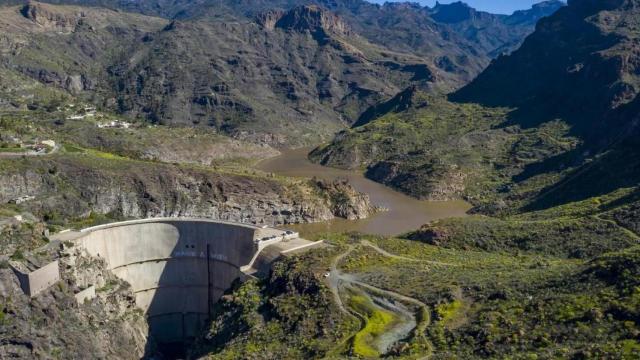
[462, 47]
[563, 127]
[581, 64]
[67, 47]
[292, 75]
[284, 78]
[493, 34]
[304, 67]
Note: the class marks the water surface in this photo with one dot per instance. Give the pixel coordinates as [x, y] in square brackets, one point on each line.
[404, 213]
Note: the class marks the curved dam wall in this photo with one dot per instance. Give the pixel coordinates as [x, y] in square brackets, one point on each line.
[165, 261]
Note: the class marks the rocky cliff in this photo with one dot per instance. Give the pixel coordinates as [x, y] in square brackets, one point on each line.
[344, 200]
[46, 17]
[54, 324]
[312, 18]
[73, 186]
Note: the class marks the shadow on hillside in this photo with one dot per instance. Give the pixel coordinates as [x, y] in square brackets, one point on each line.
[617, 168]
[605, 160]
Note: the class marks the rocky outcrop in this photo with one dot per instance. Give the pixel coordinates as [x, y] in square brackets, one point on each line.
[455, 12]
[344, 200]
[67, 188]
[429, 181]
[313, 19]
[431, 234]
[27, 183]
[54, 324]
[269, 19]
[74, 84]
[46, 16]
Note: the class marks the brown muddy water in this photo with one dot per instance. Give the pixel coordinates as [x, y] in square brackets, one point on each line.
[403, 213]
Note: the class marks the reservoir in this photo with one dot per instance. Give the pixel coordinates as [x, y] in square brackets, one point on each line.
[403, 214]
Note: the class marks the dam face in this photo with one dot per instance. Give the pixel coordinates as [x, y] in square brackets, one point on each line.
[177, 268]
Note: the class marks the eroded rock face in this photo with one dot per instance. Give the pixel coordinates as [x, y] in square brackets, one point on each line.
[75, 83]
[46, 17]
[310, 18]
[51, 323]
[141, 190]
[314, 19]
[26, 183]
[428, 181]
[268, 19]
[344, 200]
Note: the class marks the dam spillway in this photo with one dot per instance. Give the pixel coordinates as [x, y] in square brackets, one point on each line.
[178, 268]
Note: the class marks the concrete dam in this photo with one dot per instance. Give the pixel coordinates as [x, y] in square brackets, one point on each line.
[178, 268]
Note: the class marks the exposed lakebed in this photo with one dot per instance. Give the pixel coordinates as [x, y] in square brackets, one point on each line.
[403, 213]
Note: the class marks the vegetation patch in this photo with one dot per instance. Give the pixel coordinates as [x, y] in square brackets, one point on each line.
[376, 322]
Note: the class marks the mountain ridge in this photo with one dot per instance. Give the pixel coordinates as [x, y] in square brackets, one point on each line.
[249, 90]
[403, 27]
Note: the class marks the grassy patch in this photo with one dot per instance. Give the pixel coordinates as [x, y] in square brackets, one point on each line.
[448, 311]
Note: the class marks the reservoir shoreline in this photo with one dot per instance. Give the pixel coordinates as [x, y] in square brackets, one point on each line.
[402, 212]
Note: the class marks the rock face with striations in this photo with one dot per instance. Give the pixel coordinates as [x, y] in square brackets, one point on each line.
[314, 19]
[142, 190]
[46, 17]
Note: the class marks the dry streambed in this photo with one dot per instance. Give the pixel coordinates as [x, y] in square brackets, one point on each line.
[390, 322]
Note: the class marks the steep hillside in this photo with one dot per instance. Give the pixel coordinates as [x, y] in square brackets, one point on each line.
[283, 78]
[492, 34]
[68, 47]
[291, 74]
[454, 37]
[434, 149]
[580, 65]
[565, 112]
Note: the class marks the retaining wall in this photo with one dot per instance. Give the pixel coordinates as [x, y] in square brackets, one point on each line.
[32, 283]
